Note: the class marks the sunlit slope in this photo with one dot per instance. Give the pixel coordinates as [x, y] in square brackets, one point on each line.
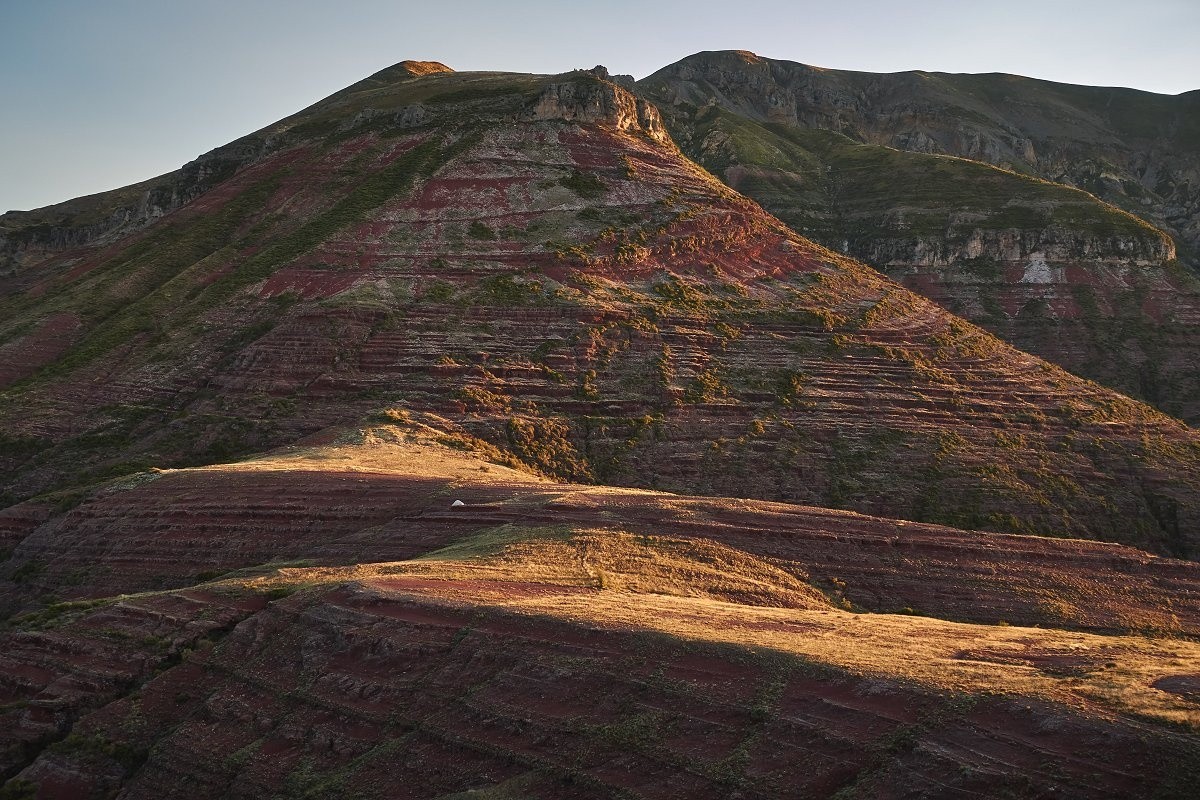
[384, 492]
[564, 640]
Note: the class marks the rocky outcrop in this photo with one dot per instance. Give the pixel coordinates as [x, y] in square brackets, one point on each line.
[889, 247]
[593, 98]
[419, 68]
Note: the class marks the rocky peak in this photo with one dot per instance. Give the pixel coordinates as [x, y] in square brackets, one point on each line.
[593, 96]
[419, 68]
[601, 72]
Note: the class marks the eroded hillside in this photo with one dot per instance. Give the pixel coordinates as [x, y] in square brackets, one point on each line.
[468, 440]
[982, 229]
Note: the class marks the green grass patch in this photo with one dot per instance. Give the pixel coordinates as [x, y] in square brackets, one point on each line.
[479, 230]
[494, 541]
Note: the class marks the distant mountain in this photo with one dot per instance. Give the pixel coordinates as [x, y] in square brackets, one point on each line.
[997, 233]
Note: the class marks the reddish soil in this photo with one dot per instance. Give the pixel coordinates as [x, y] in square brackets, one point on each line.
[1186, 685]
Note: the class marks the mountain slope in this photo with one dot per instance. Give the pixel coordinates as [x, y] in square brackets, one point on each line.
[1044, 266]
[563, 640]
[531, 258]
[26, 237]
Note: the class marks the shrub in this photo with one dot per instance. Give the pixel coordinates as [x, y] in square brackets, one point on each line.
[128, 756]
[28, 571]
[479, 230]
[439, 292]
[706, 387]
[511, 290]
[546, 445]
[584, 184]
[679, 292]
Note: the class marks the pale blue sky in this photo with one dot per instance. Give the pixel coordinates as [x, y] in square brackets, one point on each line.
[97, 94]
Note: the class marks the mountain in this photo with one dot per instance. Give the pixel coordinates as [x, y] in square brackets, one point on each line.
[465, 438]
[590, 302]
[1047, 213]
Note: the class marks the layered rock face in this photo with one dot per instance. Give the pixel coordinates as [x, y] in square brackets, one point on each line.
[580, 296]
[1112, 303]
[595, 101]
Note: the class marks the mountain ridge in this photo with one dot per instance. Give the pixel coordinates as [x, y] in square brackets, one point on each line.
[845, 92]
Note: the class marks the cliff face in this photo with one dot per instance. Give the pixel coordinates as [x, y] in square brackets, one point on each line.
[1047, 267]
[599, 102]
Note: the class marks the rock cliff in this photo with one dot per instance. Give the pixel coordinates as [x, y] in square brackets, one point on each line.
[599, 101]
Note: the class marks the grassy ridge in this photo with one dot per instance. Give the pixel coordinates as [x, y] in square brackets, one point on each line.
[832, 188]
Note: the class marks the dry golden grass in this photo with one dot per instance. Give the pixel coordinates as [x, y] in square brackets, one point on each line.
[405, 445]
[703, 590]
[684, 588]
[594, 559]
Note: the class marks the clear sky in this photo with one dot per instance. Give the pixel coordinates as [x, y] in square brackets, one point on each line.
[97, 94]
